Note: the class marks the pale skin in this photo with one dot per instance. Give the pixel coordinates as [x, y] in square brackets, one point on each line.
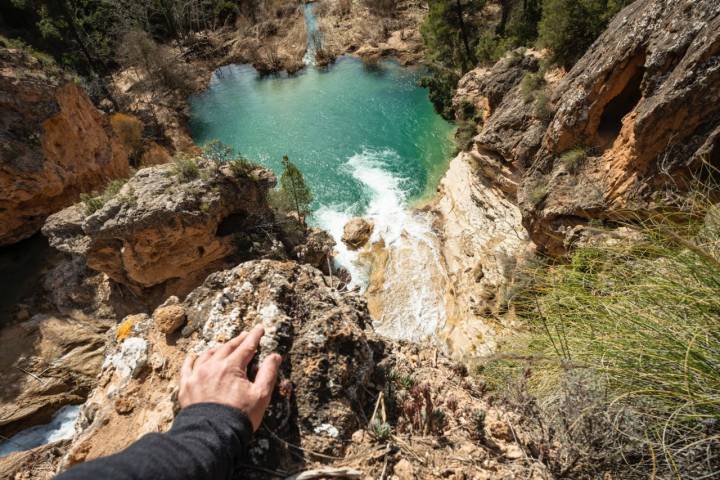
[219, 375]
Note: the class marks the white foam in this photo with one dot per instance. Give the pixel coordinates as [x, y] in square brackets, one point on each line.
[417, 307]
[62, 427]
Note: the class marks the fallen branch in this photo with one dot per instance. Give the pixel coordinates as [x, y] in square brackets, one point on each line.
[327, 473]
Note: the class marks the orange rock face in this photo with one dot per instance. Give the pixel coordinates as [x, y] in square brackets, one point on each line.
[55, 145]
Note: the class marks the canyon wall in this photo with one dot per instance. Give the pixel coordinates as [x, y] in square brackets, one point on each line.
[55, 144]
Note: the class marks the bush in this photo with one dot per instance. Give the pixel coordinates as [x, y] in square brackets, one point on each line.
[569, 27]
[531, 84]
[129, 130]
[633, 325]
[94, 202]
[491, 48]
[464, 135]
[543, 109]
[185, 167]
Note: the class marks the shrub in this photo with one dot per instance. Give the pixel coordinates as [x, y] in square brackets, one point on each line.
[94, 201]
[185, 167]
[543, 109]
[464, 135]
[572, 158]
[129, 130]
[241, 167]
[569, 27]
[490, 48]
[537, 194]
[531, 84]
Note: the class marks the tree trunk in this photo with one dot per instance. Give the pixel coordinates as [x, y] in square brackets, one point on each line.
[468, 57]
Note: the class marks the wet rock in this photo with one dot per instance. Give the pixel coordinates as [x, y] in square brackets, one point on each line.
[55, 144]
[357, 232]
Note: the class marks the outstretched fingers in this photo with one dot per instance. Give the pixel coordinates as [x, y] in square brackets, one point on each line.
[187, 366]
[244, 353]
[228, 347]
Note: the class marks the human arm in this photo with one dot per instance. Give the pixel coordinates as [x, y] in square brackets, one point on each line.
[221, 408]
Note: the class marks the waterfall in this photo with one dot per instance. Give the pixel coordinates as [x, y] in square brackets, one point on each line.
[314, 37]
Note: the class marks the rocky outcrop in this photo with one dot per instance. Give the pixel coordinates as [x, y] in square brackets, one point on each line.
[54, 144]
[165, 230]
[357, 232]
[642, 108]
[45, 363]
[344, 395]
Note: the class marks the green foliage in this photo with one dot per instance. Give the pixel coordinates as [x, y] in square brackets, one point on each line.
[491, 47]
[185, 167]
[569, 27]
[537, 193]
[94, 202]
[293, 194]
[543, 109]
[450, 40]
[441, 83]
[380, 430]
[466, 131]
[221, 153]
[530, 84]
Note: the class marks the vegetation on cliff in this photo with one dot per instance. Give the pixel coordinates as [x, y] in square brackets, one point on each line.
[622, 346]
[457, 35]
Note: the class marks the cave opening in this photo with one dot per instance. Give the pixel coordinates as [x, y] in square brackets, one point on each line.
[619, 106]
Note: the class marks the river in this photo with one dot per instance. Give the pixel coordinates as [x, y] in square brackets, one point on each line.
[368, 143]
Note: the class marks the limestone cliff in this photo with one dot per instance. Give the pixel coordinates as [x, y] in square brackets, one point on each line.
[55, 144]
[642, 104]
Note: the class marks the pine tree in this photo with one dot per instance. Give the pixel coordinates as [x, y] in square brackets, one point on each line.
[293, 189]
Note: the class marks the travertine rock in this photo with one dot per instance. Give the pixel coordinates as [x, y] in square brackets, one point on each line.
[334, 368]
[161, 235]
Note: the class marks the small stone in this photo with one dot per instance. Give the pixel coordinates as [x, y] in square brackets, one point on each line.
[513, 452]
[168, 319]
[403, 470]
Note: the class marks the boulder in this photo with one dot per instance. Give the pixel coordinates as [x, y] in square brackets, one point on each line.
[357, 232]
[54, 144]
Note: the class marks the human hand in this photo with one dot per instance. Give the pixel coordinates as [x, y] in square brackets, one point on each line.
[219, 375]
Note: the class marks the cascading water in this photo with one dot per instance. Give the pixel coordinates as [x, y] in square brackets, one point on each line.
[369, 144]
[61, 427]
[314, 37]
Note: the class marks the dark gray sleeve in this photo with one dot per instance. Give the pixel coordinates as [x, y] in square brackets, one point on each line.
[205, 442]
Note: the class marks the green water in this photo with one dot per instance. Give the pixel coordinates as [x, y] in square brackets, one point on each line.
[333, 124]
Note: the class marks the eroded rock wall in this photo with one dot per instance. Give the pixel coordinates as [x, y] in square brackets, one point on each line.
[55, 144]
[643, 104]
